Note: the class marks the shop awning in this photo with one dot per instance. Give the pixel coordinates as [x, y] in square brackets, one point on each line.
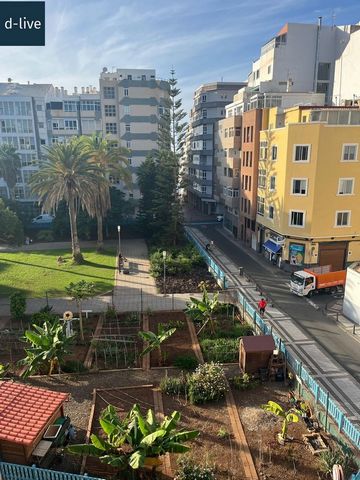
[271, 246]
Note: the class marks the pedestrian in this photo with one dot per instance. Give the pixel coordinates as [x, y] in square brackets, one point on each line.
[120, 261]
[262, 306]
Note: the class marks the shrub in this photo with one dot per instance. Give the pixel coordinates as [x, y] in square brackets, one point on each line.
[186, 362]
[17, 305]
[243, 382]
[207, 383]
[110, 313]
[188, 469]
[223, 350]
[73, 366]
[178, 261]
[337, 456]
[173, 385]
[238, 330]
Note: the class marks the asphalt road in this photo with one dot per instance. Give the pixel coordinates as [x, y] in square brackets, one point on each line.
[275, 283]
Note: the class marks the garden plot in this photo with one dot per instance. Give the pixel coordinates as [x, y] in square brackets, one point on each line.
[290, 461]
[117, 343]
[177, 349]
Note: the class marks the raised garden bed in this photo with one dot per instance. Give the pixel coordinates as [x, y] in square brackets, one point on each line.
[188, 282]
[288, 462]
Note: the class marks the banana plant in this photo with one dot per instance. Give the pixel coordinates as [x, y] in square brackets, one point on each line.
[132, 441]
[154, 341]
[48, 346]
[204, 310]
[288, 417]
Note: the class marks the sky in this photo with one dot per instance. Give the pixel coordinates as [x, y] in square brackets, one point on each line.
[203, 40]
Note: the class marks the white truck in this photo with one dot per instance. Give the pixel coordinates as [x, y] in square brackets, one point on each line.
[309, 281]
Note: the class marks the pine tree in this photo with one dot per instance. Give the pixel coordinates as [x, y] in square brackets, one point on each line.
[167, 207]
[146, 179]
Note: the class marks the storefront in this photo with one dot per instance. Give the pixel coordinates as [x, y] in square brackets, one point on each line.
[272, 251]
[296, 254]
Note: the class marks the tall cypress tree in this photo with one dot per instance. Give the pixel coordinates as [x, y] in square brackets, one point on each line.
[167, 207]
[146, 179]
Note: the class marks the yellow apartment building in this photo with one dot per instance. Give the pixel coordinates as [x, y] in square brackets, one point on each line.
[308, 198]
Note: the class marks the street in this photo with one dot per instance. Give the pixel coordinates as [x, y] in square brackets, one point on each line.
[339, 344]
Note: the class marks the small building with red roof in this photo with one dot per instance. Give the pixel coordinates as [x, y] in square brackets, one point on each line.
[26, 412]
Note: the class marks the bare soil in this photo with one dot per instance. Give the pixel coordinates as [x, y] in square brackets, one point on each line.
[293, 461]
[179, 344]
[188, 282]
[215, 445]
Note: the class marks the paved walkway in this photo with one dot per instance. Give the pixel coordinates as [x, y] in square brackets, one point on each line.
[342, 386]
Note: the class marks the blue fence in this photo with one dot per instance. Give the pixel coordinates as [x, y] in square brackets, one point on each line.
[12, 471]
[214, 267]
[355, 476]
[320, 395]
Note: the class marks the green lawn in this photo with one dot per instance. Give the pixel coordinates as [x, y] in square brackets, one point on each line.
[38, 272]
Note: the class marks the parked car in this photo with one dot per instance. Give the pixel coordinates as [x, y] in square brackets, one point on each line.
[43, 218]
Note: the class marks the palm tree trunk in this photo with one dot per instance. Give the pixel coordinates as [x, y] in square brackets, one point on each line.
[100, 236]
[76, 253]
[81, 323]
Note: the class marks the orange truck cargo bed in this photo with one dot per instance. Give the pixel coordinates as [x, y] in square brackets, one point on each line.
[328, 279]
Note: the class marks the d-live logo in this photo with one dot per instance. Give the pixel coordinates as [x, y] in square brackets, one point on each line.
[22, 23]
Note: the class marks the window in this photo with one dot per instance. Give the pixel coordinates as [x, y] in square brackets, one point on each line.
[260, 206]
[127, 127]
[226, 132]
[110, 111]
[70, 124]
[237, 132]
[109, 92]
[205, 130]
[27, 143]
[8, 126]
[129, 161]
[203, 98]
[301, 153]
[271, 212]
[273, 183]
[231, 131]
[42, 141]
[346, 186]
[88, 124]
[129, 77]
[299, 186]
[127, 109]
[41, 124]
[343, 219]
[110, 128]
[203, 189]
[349, 153]
[297, 218]
[263, 150]
[323, 71]
[262, 178]
[225, 172]
[128, 143]
[274, 152]
[126, 92]
[204, 113]
[70, 106]
[143, 77]
[25, 126]
[204, 145]
[90, 105]
[39, 107]
[204, 174]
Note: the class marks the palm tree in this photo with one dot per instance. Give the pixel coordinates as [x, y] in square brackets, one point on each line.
[112, 161]
[66, 173]
[9, 164]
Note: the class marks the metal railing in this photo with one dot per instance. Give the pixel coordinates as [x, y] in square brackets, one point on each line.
[12, 471]
[215, 269]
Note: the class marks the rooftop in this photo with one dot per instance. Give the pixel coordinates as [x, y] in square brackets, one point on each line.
[258, 343]
[26, 410]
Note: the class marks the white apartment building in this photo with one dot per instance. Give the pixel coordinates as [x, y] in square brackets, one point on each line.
[132, 101]
[23, 124]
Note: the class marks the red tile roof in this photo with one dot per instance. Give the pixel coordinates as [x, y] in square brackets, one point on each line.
[26, 410]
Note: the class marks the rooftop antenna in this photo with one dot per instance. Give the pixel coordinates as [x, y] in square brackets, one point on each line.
[333, 16]
[222, 79]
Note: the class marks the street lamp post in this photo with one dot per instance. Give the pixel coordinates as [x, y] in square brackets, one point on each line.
[164, 257]
[119, 246]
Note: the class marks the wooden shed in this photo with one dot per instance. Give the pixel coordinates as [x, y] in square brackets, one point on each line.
[255, 352]
[25, 414]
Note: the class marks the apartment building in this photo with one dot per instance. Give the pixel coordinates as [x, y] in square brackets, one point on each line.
[227, 156]
[209, 106]
[75, 114]
[308, 186]
[23, 124]
[132, 101]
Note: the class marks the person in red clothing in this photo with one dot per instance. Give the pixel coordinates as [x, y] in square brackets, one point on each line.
[262, 305]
